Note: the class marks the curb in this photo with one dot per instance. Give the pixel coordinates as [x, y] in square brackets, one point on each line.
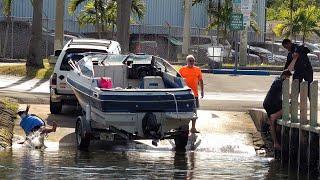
[237, 72]
[5, 60]
[259, 117]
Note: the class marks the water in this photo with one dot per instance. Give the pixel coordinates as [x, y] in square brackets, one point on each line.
[216, 156]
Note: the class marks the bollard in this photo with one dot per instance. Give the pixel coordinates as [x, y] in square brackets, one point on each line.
[313, 157]
[285, 131]
[304, 133]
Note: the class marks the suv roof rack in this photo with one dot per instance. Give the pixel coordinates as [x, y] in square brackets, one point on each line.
[107, 44]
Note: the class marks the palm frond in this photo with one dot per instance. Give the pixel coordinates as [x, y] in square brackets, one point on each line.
[7, 7]
[73, 4]
[138, 8]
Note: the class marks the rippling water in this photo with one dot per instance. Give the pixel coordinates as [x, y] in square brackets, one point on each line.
[221, 159]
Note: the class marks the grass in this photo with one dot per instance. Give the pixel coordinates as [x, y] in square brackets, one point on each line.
[32, 72]
[10, 104]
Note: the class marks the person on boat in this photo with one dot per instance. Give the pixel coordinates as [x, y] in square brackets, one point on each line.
[273, 105]
[31, 123]
[193, 77]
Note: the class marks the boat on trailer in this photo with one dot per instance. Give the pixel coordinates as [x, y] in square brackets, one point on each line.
[130, 97]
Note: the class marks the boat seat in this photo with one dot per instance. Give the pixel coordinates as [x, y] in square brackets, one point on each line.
[153, 82]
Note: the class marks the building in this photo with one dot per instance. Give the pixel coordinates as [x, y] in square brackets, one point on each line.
[160, 15]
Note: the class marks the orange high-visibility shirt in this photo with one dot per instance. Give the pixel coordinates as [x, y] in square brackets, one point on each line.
[192, 76]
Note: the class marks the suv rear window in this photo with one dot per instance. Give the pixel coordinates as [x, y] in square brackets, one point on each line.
[73, 53]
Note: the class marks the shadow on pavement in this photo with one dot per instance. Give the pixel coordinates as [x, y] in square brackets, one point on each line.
[24, 79]
[68, 140]
[66, 119]
[47, 74]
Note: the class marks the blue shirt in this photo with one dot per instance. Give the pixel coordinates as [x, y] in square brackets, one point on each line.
[29, 122]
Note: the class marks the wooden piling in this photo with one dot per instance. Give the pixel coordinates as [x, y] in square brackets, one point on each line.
[313, 157]
[294, 127]
[300, 138]
[304, 133]
[285, 131]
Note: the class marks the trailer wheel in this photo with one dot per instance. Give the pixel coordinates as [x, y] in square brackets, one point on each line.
[181, 138]
[83, 141]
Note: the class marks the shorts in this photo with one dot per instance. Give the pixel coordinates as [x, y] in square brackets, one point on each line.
[272, 109]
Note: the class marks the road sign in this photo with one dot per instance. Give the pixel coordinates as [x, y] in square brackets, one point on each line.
[236, 22]
[246, 8]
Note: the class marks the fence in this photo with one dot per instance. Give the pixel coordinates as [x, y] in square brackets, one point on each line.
[163, 40]
[15, 35]
[300, 132]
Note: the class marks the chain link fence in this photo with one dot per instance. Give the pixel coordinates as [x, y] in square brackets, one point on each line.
[162, 40]
[15, 33]
[166, 41]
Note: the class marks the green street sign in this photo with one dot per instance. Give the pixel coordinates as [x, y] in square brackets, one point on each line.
[236, 1]
[236, 22]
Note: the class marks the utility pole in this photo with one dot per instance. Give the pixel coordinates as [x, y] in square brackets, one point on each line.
[246, 8]
[218, 29]
[58, 35]
[186, 28]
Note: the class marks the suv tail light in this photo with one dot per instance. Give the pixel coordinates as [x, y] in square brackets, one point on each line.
[54, 79]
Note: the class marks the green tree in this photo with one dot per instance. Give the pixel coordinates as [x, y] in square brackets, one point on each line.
[220, 16]
[102, 13]
[305, 21]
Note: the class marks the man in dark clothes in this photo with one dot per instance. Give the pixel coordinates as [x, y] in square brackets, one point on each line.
[273, 104]
[298, 61]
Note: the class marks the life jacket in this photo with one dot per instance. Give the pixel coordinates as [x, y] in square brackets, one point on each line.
[29, 122]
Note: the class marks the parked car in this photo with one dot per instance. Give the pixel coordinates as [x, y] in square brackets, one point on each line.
[60, 93]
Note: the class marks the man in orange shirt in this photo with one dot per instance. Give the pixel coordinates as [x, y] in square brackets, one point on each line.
[193, 77]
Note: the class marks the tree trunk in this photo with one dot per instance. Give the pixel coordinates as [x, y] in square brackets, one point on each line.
[97, 19]
[35, 50]
[8, 21]
[123, 24]
[291, 18]
[58, 35]
[186, 28]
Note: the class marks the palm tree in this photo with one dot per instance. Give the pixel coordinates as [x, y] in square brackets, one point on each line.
[221, 16]
[7, 13]
[34, 56]
[103, 13]
[304, 21]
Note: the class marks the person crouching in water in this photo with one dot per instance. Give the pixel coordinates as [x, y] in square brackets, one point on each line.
[32, 124]
[273, 105]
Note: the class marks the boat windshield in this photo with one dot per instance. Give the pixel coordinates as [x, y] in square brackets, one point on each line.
[106, 59]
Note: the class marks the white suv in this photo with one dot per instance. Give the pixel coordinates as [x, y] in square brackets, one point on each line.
[60, 93]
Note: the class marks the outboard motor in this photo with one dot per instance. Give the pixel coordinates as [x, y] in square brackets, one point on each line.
[150, 126]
